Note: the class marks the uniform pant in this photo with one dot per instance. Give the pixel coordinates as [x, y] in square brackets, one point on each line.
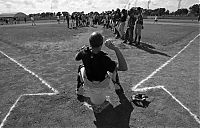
[95, 90]
[121, 28]
[129, 34]
[138, 29]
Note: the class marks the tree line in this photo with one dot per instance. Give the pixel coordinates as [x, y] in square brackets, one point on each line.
[194, 10]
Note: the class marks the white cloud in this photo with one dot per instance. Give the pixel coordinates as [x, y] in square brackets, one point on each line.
[40, 1]
[34, 6]
[29, 3]
[173, 4]
[8, 5]
[89, 2]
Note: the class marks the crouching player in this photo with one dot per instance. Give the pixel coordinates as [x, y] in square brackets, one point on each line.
[97, 71]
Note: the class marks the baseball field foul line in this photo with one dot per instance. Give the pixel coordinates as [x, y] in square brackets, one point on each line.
[173, 97]
[13, 106]
[34, 74]
[193, 115]
[135, 88]
[162, 66]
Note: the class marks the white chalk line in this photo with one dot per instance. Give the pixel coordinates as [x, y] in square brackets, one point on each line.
[135, 88]
[32, 73]
[162, 66]
[193, 115]
[13, 106]
[173, 97]
[55, 92]
[147, 88]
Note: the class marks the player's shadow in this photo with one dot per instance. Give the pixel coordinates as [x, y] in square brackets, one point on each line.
[115, 117]
[149, 48]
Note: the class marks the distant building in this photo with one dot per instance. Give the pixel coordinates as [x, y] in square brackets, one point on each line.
[12, 18]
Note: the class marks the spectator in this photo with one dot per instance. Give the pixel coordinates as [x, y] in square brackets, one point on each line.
[73, 21]
[122, 23]
[139, 26]
[130, 26]
[58, 19]
[15, 20]
[77, 20]
[33, 21]
[25, 20]
[155, 19]
[117, 17]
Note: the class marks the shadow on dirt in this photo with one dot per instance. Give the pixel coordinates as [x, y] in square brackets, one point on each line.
[149, 48]
[115, 117]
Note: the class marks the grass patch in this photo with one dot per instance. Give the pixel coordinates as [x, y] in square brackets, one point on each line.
[49, 51]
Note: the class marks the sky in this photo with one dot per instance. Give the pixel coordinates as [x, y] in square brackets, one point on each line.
[38, 6]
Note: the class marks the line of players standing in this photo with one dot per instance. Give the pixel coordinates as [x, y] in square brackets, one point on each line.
[114, 20]
[117, 20]
[81, 20]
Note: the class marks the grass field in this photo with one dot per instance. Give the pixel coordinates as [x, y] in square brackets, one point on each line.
[48, 50]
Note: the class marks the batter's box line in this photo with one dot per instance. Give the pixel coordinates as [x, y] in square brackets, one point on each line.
[135, 88]
[14, 105]
[173, 97]
[55, 92]
[163, 65]
[32, 73]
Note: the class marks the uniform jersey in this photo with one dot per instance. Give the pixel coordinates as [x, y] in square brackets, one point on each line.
[96, 65]
[139, 20]
[32, 18]
[131, 21]
[123, 17]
